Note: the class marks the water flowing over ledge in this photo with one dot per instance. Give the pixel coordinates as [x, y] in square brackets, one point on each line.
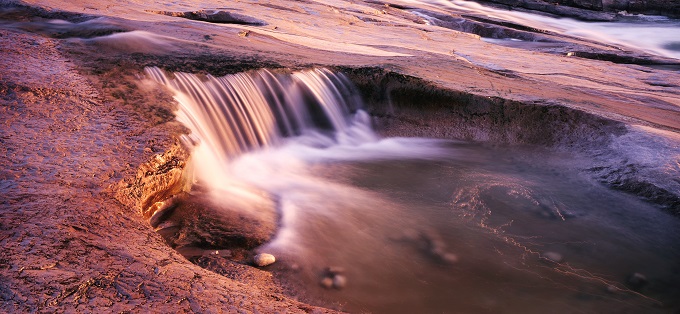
[238, 113]
[301, 144]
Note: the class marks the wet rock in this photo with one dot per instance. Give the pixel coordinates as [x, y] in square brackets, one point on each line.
[209, 224]
[552, 256]
[167, 229]
[264, 259]
[160, 211]
[637, 281]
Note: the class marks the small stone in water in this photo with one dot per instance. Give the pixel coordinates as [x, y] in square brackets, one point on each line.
[327, 282]
[552, 256]
[636, 281]
[339, 281]
[264, 259]
[450, 258]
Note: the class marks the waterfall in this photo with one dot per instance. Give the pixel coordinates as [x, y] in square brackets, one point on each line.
[232, 115]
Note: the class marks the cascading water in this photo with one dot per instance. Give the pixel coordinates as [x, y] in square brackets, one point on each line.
[240, 112]
[656, 35]
[419, 225]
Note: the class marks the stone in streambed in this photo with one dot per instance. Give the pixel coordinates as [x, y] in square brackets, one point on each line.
[334, 281]
[327, 282]
[552, 256]
[637, 281]
[613, 289]
[264, 259]
[339, 281]
[333, 278]
[449, 258]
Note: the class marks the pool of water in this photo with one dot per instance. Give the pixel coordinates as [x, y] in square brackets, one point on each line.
[429, 226]
[412, 225]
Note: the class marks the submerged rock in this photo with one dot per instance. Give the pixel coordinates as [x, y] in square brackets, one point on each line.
[333, 278]
[552, 256]
[333, 281]
[264, 259]
[339, 281]
[637, 281]
[612, 289]
[449, 258]
[326, 282]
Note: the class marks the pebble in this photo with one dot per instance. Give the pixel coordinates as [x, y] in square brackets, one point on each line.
[637, 280]
[327, 282]
[339, 281]
[264, 259]
[450, 258]
[552, 256]
[612, 289]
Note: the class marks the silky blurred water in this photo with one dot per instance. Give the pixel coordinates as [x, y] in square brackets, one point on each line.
[656, 35]
[461, 228]
[419, 225]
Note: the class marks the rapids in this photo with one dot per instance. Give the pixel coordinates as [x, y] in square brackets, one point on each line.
[417, 224]
[656, 35]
